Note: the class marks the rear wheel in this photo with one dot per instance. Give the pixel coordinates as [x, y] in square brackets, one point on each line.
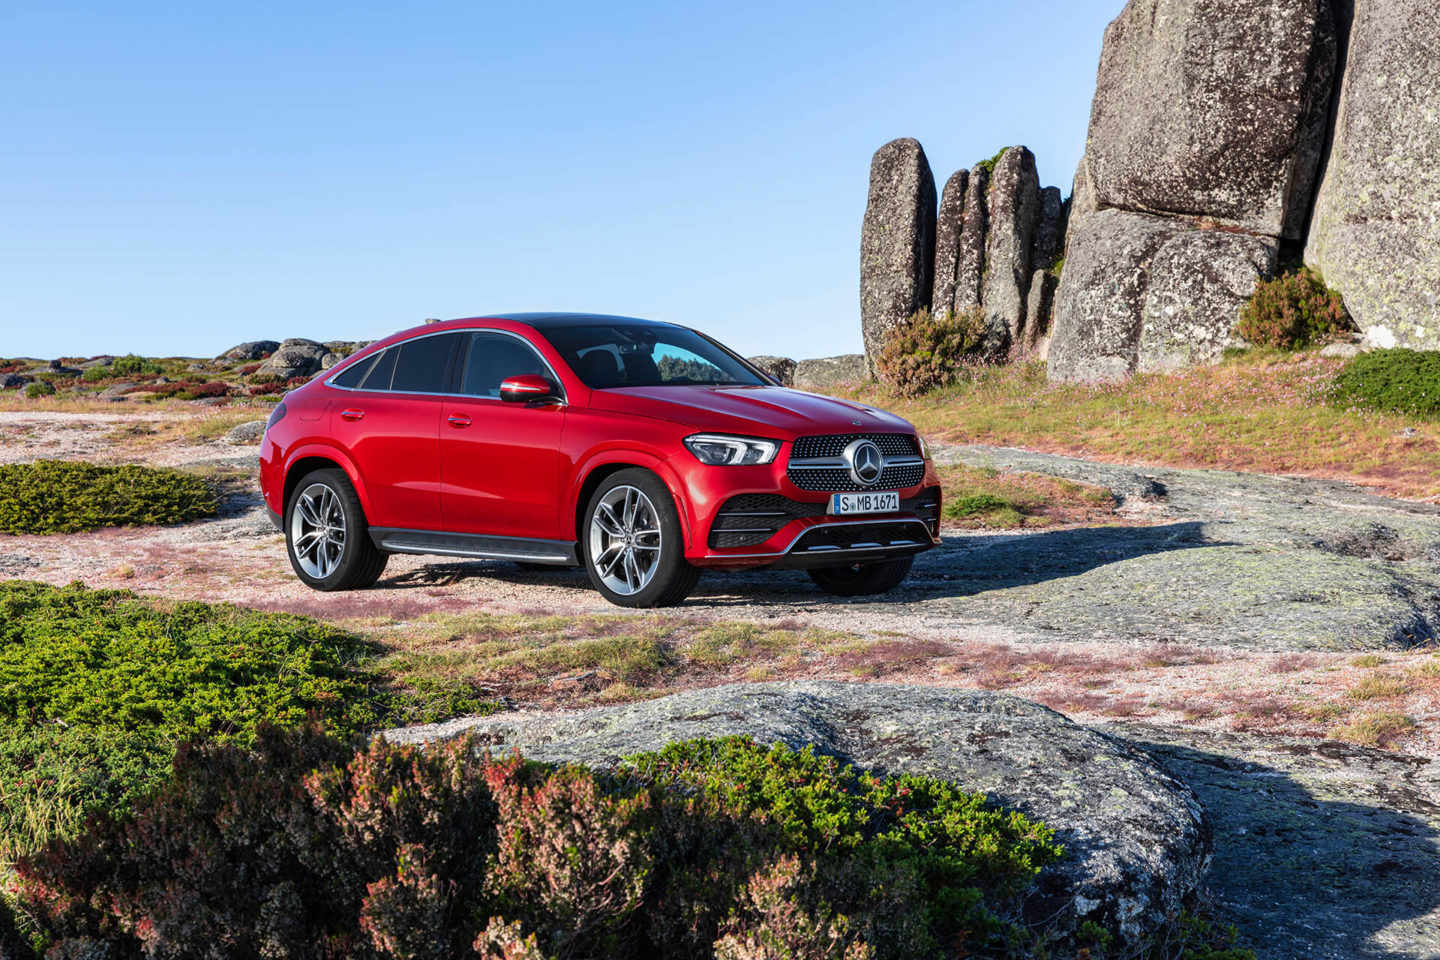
[327, 537]
[634, 547]
[862, 579]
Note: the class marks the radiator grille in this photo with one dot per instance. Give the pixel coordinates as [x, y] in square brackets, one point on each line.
[838, 479]
[890, 444]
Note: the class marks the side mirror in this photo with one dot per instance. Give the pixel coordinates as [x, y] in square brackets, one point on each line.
[525, 388]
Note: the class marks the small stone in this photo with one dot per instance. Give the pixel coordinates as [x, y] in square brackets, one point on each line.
[249, 432]
[1344, 351]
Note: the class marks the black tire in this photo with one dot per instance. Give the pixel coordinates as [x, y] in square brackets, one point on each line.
[862, 579]
[672, 578]
[358, 563]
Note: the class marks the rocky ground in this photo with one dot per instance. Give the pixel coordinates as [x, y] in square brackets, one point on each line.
[1233, 626]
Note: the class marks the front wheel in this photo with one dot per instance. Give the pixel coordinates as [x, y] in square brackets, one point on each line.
[634, 547]
[327, 537]
[862, 579]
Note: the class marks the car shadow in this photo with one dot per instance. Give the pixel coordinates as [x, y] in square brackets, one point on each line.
[1302, 873]
[965, 564]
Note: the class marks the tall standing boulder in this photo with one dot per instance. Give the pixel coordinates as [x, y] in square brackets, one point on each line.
[948, 227]
[897, 242]
[1215, 109]
[1014, 203]
[1375, 233]
[970, 269]
[1207, 114]
[1049, 230]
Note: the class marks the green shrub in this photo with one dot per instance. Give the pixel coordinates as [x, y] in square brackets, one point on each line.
[131, 365]
[1293, 310]
[927, 352]
[1392, 381]
[39, 388]
[106, 660]
[306, 847]
[96, 374]
[61, 496]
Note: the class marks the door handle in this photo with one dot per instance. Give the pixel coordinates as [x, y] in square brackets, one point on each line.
[352, 414]
[458, 420]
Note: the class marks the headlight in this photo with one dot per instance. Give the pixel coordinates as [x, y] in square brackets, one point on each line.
[924, 447]
[719, 450]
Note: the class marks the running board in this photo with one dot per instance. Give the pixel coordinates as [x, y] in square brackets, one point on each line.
[474, 545]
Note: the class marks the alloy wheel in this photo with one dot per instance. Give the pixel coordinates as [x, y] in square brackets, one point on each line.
[625, 540]
[317, 530]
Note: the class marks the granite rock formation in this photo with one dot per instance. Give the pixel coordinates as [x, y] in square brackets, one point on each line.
[897, 242]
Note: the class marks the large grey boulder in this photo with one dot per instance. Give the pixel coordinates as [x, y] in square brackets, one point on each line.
[1199, 281]
[781, 368]
[949, 225]
[13, 381]
[1143, 294]
[826, 373]
[1096, 330]
[897, 242]
[1014, 202]
[1376, 226]
[970, 268]
[1215, 108]
[295, 358]
[251, 350]
[1136, 840]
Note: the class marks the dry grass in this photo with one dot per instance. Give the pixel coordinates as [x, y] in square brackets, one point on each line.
[1379, 686]
[986, 498]
[1261, 412]
[1376, 729]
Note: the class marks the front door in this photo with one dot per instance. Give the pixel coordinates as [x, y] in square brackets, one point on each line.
[500, 462]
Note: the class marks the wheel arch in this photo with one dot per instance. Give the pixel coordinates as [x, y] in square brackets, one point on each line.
[596, 472]
[310, 459]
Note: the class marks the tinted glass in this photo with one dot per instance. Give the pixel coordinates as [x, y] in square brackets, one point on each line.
[379, 376]
[354, 373]
[423, 364]
[493, 357]
[647, 355]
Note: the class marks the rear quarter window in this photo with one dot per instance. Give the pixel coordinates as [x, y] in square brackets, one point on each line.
[423, 365]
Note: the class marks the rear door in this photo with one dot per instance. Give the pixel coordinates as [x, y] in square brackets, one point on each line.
[390, 424]
[500, 462]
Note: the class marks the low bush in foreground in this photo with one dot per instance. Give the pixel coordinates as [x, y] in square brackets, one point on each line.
[98, 686]
[927, 351]
[1391, 381]
[1293, 310]
[38, 389]
[304, 847]
[59, 496]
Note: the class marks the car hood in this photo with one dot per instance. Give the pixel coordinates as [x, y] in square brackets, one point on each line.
[765, 411]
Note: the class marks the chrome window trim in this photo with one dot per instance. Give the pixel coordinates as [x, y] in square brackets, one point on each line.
[563, 400]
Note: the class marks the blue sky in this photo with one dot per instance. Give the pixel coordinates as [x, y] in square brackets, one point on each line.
[181, 177]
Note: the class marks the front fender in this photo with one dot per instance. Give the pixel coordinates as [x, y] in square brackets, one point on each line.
[631, 457]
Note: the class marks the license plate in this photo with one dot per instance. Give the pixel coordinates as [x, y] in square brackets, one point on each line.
[846, 503]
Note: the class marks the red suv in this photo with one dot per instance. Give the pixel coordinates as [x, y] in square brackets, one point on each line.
[643, 451]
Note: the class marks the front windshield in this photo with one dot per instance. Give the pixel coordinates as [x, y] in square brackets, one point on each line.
[647, 355]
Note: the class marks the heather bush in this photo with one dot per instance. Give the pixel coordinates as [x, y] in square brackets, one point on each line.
[62, 496]
[130, 365]
[927, 351]
[1293, 310]
[306, 847]
[271, 389]
[1392, 381]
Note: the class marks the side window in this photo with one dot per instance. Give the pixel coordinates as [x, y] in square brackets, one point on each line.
[379, 376]
[493, 357]
[351, 376]
[423, 364]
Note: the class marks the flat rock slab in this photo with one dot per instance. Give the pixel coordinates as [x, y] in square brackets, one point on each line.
[1322, 850]
[1137, 841]
[1228, 559]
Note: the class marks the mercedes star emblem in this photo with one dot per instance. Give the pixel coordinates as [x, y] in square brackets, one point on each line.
[865, 461]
